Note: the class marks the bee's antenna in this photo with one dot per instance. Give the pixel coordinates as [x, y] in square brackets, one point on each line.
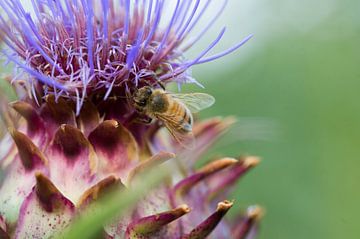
[161, 84]
[158, 81]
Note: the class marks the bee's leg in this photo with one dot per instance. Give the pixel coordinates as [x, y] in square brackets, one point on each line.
[146, 120]
[142, 120]
[129, 100]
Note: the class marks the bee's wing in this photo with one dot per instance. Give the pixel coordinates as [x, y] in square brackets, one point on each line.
[195, 101]
[186, 140]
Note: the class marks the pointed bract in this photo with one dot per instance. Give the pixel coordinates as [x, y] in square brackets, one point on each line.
[44, 212]
[152, 162]
[19, 176]
[212, 168]
[29, 154]
[55, 113]
[89, 118]
[207, 226]
[98, 190]
[35, 124]
[224, 180]
[247, 228]
[115, 146]
[146, 226]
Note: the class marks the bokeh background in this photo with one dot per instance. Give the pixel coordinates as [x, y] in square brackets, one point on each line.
[295, 90]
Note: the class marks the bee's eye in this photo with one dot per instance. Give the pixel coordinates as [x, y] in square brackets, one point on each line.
[148, 91]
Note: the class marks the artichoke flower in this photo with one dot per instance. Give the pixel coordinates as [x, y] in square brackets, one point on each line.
[74, 132]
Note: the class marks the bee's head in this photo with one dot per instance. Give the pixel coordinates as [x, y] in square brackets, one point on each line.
[142, 96]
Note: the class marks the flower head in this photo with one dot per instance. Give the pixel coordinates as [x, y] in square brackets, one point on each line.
[73, 134]
[79, 48]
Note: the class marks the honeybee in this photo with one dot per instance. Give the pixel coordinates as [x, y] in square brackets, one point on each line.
[174, 110]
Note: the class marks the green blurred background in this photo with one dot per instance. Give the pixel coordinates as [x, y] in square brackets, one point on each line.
[295, 88]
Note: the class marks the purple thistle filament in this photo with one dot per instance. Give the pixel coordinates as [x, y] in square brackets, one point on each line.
[77, 48]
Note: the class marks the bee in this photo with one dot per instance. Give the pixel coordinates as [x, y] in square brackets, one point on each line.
[174, 110]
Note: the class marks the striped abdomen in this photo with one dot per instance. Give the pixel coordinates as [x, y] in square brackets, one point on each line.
[181, 116]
